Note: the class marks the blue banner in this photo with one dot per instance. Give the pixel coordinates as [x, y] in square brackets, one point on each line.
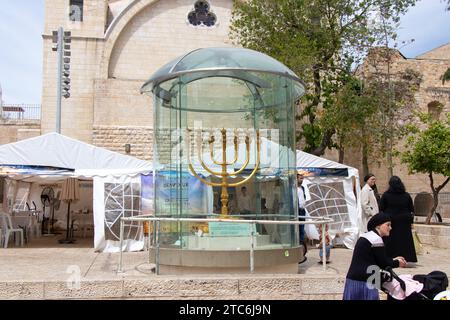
[33, 170]
[172, 189]
[323, 172]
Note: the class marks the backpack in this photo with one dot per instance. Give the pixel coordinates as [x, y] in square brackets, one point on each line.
[433, 283]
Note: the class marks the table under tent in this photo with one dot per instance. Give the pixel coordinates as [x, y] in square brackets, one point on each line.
[109, 186]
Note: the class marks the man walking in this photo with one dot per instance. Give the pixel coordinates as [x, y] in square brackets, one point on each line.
[368, 200]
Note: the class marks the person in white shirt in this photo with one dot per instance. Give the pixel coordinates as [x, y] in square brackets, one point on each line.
[244, 201]
[301, 203]
[369, 202]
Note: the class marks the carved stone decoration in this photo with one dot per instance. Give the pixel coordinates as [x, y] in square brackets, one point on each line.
[202, 15]
[437, 92]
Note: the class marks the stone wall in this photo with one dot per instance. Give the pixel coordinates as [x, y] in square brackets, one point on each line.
[10, 132]
[434, 235]
[94, 18]
[115, 138]
[296, 287]
[118, 103]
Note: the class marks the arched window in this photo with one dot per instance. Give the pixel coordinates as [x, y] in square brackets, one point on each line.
[435, 109]
[76, 10]
[202, 15]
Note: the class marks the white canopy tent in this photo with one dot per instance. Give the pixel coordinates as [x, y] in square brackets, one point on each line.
[52, 157]
[58, 151]
[334, 192]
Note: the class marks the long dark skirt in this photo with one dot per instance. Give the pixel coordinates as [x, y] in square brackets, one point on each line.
[401, 242]
[358, 290]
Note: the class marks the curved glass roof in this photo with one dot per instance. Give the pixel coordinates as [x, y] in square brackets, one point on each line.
[222, 62]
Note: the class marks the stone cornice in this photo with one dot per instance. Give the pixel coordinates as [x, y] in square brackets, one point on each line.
[438, 92]
[49, 36]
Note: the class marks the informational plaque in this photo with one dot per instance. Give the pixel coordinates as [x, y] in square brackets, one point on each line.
[230, 229]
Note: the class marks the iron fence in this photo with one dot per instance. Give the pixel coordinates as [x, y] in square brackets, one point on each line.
[20, 112]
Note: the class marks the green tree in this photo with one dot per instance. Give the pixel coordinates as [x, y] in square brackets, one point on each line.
[393, 91]
[446, 76]
[350, 115]
[358, 113]
[319, 40]
[428, 152]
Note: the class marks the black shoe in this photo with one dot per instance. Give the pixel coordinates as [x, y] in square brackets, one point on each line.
[305, 247]
[304, 259]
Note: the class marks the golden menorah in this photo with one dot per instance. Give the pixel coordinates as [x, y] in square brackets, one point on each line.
[224, 174]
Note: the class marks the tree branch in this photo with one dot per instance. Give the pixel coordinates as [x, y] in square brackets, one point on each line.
[326, 141]
[430, 174]
[355, 19]
[443, 185]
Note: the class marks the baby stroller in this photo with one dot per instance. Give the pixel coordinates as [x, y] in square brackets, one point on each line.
[418, 287]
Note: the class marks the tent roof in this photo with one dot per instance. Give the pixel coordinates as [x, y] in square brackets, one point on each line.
[307, 160]
[56, 150]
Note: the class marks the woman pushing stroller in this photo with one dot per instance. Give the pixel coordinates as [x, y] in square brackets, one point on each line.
[370, 254]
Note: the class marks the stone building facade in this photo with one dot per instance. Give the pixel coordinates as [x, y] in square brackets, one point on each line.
[433, 96]
[115, 48]
[120, 43]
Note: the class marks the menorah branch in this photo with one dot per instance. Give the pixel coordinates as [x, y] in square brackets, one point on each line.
[224, 175]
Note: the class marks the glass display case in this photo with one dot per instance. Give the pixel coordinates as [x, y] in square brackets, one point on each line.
[224, 147]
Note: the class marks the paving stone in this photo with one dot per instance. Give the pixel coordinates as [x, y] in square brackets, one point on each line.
[83, 290]
[15, 290]
[180, 287]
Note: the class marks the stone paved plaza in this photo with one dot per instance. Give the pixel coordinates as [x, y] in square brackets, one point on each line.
[45, 270]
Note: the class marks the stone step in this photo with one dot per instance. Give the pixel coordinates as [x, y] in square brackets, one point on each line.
[170, 287]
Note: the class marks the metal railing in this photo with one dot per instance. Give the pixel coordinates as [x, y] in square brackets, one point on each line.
[20, 112]
[320, 220]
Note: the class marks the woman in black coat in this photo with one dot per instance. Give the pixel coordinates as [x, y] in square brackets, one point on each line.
[398, 204]
[368, 255]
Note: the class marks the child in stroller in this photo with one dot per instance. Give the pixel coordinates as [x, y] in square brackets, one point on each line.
[418, 287]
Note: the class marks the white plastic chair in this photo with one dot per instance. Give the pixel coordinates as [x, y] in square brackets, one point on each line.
[84, 222]
[87, 226]
[8, 229]
[35, 226]
[32, 226]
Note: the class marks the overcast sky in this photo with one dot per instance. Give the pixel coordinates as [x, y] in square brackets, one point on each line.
[22, 24]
